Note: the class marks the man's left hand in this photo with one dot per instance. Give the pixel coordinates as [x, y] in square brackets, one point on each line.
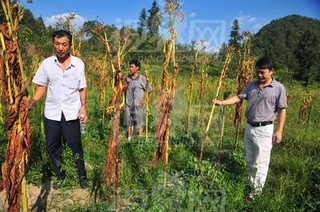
[277, 137]
[83, 115]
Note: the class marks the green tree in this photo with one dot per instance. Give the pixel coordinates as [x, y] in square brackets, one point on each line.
[154, 19]
[142, 22]
[92, 43]
[234, 41]
[308, 58]
[235, 37]
[34, 32]
[223, 51]
[94, 31]
[282, 40]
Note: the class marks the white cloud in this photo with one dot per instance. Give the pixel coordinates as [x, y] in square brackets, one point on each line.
[77, 22]
[246, 19]
[248, 22]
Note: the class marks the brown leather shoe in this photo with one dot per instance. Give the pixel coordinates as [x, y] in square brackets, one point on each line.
[248, 200]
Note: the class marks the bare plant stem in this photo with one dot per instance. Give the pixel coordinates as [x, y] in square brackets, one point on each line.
[111, 169]
[230, 54]
[191, 83]
[166, 98]
[244, 76]
[147, 107]
[13, 87]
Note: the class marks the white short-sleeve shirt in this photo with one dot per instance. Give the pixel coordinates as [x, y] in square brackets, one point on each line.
[62, 87]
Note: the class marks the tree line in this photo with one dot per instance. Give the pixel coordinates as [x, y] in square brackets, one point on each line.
[293, 42]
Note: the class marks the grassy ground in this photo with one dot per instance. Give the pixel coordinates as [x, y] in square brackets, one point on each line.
[293, 183]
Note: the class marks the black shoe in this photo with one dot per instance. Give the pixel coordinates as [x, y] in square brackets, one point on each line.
[83, 182]
[57, 184]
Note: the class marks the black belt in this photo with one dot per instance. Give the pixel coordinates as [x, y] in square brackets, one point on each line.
[259, 124]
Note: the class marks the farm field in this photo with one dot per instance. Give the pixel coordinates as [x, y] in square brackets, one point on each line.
[292, 184]
[191, 156]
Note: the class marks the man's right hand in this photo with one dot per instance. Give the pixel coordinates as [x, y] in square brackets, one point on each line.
[125, 87]
[216, 102]
[31, 103]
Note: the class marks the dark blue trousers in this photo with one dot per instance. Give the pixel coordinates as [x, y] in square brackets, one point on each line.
[71, 136]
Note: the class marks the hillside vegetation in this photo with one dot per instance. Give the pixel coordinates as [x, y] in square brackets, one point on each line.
[294, 41]
[183, 184]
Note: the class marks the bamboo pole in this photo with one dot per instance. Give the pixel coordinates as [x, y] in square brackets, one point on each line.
[147, 106]
[222, 76]
[229, 56]
[223, 120]
[191, 84]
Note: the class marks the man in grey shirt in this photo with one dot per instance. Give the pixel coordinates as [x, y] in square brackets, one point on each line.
[136, 86]
[266, 97]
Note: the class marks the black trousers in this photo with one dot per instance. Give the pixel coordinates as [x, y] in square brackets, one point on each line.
[71, 136]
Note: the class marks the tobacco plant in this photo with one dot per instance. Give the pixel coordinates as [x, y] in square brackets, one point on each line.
[166, 99]
[15, 97]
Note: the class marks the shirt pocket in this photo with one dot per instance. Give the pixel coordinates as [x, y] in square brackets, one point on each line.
[271, 98]
[254, 93]
[73, 83]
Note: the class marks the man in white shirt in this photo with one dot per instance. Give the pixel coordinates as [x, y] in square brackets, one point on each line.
[62, 77]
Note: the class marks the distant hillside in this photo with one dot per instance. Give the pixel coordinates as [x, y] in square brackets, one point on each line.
[293, 41]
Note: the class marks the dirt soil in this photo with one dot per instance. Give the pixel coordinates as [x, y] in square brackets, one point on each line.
[44, 198]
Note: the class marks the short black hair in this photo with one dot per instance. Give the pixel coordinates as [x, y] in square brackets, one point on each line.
[61, 33]
[135, 62]
[265, 63]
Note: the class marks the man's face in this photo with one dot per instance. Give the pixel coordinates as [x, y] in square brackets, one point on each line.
[264, 75]
[62, 46]
[133, 68]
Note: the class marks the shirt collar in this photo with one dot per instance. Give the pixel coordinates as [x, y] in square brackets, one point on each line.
[137, 78]
[71, 60]
[272, 83]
